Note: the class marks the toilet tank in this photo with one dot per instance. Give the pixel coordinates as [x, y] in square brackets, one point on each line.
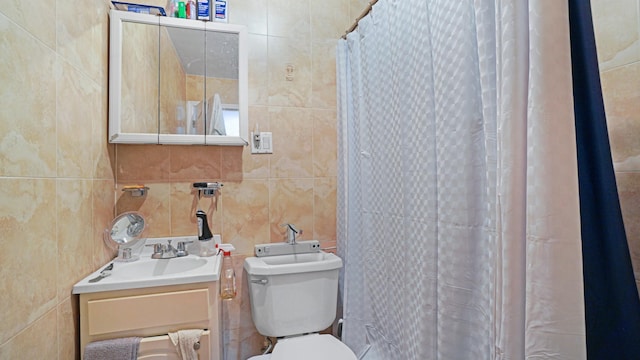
[293, 294]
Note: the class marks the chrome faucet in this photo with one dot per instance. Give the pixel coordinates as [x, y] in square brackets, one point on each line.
[162, 251]
[291, 233]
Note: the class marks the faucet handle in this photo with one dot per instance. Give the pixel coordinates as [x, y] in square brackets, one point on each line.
[157, 250]
[291, 233]
[182, 248]
[292, 228]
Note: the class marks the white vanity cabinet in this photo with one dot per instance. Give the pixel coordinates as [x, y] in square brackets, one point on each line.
[151, 313]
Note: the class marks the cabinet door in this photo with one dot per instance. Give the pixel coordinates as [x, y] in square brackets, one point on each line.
[182, 54]
[225, 85]
[222, 83]
[140, 80]
[161, 348]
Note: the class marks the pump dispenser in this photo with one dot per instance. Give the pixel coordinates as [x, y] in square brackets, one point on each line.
[205, 237]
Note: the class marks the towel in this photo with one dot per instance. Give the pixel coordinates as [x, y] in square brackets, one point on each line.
[113, 349]
[216, 119]
[184, 340]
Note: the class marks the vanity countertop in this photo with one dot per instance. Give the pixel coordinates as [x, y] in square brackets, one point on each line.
[147, 272]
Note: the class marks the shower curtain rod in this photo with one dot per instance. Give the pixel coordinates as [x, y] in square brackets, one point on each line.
[363, 14]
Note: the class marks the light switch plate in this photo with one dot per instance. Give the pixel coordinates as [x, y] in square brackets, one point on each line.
[261, 143]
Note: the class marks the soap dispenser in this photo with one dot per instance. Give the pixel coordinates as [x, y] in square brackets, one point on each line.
[205, 237]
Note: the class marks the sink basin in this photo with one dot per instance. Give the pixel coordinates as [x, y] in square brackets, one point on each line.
[162, 267]
[292, 263]
[148, 272]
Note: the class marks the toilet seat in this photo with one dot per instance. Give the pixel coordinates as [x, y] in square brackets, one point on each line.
[312, 347]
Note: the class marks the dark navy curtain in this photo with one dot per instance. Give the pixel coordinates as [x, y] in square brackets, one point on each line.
[612, 305]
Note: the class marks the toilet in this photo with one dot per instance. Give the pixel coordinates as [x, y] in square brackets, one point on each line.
[293, 297]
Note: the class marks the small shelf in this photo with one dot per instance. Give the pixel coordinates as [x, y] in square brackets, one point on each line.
[136, 191]
[206, 189]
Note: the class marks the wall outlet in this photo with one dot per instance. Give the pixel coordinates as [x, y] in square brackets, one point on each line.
[261, 143]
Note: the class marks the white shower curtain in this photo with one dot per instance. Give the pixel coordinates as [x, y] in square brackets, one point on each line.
[458, 198]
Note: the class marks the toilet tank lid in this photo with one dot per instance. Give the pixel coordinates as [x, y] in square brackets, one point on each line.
[312, 347]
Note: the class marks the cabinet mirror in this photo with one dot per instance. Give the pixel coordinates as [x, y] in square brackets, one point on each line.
[176, 81]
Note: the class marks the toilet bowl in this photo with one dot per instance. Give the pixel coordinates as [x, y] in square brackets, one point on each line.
[260, 357]
[293, 297]
[309, 347]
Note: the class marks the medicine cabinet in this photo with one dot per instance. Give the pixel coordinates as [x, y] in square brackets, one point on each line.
[176, 81]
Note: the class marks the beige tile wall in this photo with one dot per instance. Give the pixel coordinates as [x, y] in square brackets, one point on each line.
[56, 177]
[617, 29]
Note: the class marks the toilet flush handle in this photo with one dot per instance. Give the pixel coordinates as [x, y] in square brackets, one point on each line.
[259, 281]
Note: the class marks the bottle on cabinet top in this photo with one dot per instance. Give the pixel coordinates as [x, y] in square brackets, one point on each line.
[216, 10]
[182, 10]
[203, 10]
[221, 11]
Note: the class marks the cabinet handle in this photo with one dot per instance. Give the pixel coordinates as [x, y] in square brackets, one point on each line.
[196, 346]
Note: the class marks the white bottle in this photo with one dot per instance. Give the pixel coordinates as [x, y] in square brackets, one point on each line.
[180, 119]
[194, 120]
[192, 9]
[172, 8]
[221, 11]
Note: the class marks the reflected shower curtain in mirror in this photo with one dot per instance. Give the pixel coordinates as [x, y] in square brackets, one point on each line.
[458, 209]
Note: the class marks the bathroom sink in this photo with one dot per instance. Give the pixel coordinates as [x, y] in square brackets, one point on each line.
[162, 267]
[292, 263]
[148, 272]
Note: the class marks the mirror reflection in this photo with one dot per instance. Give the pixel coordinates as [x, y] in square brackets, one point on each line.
[203, 88]
[127, 228]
